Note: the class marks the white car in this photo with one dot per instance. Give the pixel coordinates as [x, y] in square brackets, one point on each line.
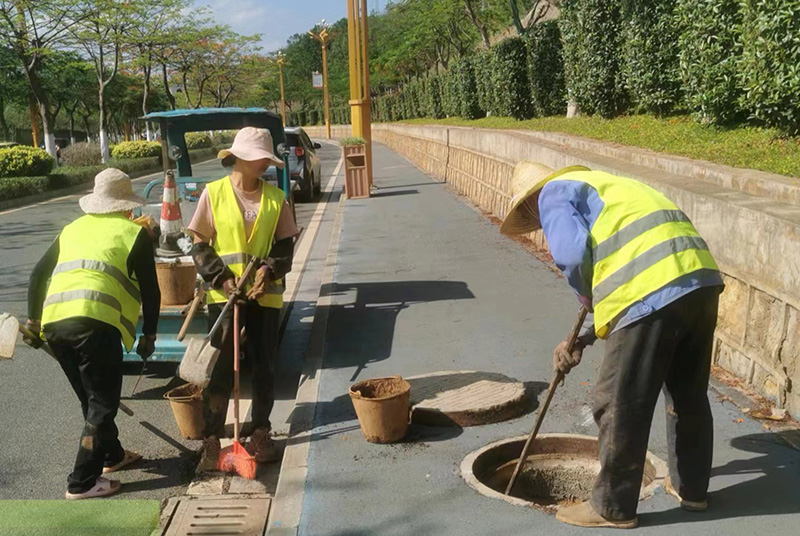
[304, 165]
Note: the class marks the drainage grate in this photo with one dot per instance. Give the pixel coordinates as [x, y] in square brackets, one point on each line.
[219, 517]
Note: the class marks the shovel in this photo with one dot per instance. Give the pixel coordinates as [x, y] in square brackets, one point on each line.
[200, 357]
[559, 377]
[9, 327]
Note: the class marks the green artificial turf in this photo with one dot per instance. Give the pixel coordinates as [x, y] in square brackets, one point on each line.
[92, 517]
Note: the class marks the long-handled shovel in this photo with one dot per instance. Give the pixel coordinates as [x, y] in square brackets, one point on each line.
[558, 378]
[9, 327]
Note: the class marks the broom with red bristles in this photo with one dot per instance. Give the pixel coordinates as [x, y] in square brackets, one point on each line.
[236, 459]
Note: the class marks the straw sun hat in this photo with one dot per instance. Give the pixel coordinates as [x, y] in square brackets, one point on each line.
[112, 192]
[528, 180]
[250, 144]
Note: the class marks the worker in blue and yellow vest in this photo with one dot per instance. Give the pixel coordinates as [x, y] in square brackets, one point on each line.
[638, 264]
[237, 217]
[101, 270]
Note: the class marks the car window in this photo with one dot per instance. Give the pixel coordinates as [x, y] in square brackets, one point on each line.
[292, 140]
[309, 145]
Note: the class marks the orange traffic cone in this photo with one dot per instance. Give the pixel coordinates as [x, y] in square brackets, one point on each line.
[171, 219]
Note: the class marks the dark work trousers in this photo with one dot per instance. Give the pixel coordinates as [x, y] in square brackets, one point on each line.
[670, 350]
[260, 346]
[93, 365]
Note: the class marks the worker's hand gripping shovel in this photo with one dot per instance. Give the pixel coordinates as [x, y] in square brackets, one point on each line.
[200, 356]
[10, 326]
[558, 378]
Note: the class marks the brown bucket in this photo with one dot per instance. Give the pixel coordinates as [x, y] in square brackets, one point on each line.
[382, 407]
[176, 282]
[186, 402]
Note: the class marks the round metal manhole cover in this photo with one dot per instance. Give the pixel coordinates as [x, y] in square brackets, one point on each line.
[465, 398]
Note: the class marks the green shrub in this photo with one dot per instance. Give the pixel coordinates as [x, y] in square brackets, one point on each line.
[14, 187]
[137, 165]
[468, 91]
[226, 136]
[548, 92]
[451, 94]
[650, 52]
[512, 88]
[592, 35]
[435, 109]
[84, 153]
[710, 51]
[136, 149]
[770, 66]
[351, 141]
[483, 63]
[198, 140]
[67, 176]
[25, 161]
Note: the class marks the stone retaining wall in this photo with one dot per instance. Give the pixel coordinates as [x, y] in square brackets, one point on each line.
[750, 219]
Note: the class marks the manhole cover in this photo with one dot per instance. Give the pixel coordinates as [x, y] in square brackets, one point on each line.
[246, 517]
[560, 469]
[465, 398]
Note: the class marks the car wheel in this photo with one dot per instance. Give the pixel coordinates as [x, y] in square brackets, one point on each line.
[317, 186]
[306, 193]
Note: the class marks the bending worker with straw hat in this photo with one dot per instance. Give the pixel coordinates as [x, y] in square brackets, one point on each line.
[101, 271]
[237, 217]
[637, 262]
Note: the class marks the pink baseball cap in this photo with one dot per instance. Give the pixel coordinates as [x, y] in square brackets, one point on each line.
[250, 144]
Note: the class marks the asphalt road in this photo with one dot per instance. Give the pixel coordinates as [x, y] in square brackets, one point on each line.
[40, 419]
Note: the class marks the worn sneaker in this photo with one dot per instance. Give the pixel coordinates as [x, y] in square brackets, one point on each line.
[583, 515]
[210, 459]
[265, 449]
[689, 506]
[103, 487]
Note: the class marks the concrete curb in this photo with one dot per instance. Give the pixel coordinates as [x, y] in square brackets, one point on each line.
[287, 506]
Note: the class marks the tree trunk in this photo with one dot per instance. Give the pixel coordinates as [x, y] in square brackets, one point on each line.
[145, 97]
[170, 96]
[104, 152]
[3, 123]
[477, 22]
[71, 127]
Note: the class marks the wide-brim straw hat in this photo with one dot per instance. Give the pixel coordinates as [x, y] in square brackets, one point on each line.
[112, 192]
[251, 144]
[528, 179]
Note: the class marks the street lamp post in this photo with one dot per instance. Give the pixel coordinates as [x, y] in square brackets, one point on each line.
[324, 38]
[281, 61]
[360, 104]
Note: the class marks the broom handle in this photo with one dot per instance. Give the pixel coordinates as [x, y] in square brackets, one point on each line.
[236, 372]
[573, 336]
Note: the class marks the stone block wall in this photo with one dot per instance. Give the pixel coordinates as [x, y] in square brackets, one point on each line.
[751, 221]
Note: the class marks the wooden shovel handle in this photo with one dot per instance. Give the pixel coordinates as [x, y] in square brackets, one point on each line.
[198, 298]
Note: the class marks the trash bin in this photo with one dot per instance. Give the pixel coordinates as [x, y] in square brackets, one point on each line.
[382, 406]
[186, 402]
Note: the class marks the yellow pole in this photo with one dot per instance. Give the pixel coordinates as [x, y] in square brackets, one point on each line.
[281, 62]
[354, 51]
[366, 116]
[324, 38]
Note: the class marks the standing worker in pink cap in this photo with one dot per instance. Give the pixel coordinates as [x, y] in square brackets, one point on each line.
[237, 217]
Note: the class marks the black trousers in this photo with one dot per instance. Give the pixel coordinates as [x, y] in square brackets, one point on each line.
[93, 365]
[670, 350]
[260, 346]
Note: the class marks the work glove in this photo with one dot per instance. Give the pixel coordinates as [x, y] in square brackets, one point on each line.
[260, 284]
[36, 327]
[229, 286]
[564, 361]
[146, 346]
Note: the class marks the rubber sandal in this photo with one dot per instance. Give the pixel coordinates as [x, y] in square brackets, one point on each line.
[103, 487]
[129, 458]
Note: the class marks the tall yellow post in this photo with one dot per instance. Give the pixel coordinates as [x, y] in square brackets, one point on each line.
[359, 75]
[281, 62]
[366, 114]
[324, 38]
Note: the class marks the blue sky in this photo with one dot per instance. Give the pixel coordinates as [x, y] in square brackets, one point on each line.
[277, 20]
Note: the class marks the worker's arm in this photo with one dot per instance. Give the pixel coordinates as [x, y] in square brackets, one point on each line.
[142, 266]
[282, 252]
[210, 267]
[37, 286]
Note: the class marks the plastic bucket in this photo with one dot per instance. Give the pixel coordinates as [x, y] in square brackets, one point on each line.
[176, 281]
[186, 402]
[382, 407]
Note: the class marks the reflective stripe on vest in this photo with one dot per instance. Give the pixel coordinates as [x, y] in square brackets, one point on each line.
[90, 279]
[641, 242]
[230, 242]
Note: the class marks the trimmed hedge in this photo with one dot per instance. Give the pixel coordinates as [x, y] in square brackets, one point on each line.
[592, 35]
[548, 90]
[512, 88]
[136, 149]
[468, 91]
[483, 63]
[770, 65]
[14, 187]
[198, 140]
[435, 108]
[650, 52]
[81, 154]
[710, 52]
[22, 161]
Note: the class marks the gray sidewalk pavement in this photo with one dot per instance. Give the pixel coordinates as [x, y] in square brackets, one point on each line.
[425, 283]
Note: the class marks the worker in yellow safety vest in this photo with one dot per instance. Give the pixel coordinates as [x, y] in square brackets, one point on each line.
[636, 261]
[238, 217]
[101, 271]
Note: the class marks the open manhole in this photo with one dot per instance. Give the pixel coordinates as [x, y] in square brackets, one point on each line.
[560, 469]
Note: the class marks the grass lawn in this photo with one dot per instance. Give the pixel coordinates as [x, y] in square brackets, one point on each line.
[744, 147]
[92, 517]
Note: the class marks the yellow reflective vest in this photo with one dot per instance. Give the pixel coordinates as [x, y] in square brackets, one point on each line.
[91, 276]
[641, 242]
[231, 244]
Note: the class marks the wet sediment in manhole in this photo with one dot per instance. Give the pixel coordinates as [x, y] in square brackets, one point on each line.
[560, 469]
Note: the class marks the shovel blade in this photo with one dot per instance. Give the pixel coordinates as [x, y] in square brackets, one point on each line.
[9, 327]
[198, 361]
